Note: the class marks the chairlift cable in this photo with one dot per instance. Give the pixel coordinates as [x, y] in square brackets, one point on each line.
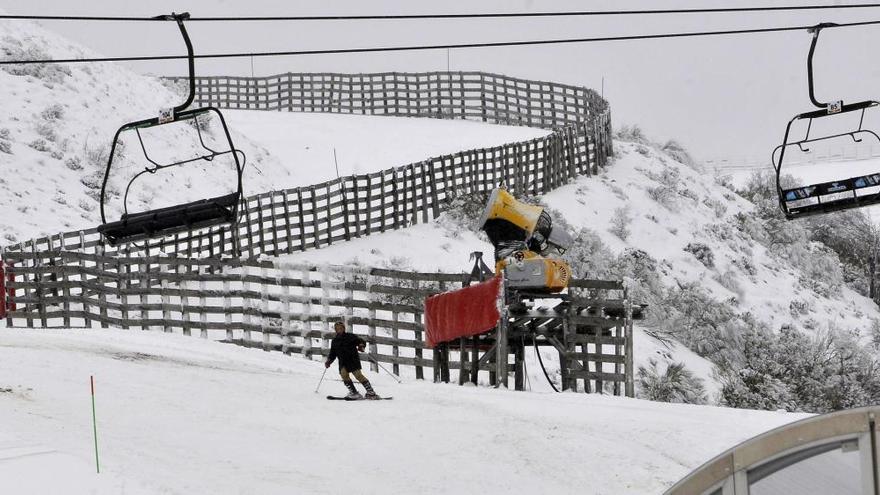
[479, 15]
[334, 51]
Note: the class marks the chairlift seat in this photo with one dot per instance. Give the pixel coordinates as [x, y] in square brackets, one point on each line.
[826, 197]
[189, 216]
[836, 195]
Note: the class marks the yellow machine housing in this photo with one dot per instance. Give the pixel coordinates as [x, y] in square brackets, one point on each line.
[529, 271]
[502, 205]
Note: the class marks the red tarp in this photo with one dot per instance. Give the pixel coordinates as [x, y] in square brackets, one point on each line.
[462, 313]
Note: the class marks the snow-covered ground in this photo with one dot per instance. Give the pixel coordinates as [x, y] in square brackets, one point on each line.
[305, 142]
[181, 415]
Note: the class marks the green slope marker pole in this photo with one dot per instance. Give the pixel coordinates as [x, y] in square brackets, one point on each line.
[95, 425]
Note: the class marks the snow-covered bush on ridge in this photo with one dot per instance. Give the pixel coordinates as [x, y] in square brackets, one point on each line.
[665, 196]
[620, 222]
[588, 256]
[717, 206]
[729, 281]
[5, 141]
[793, 371]
[47, 131]
[53, 112]
[39, 145]
[73, 163]
[875, 333]
[632, 133]
[680, 154]
[15, 49]
[675, 384]
[463, 212]
[708, 326]
[702, 252]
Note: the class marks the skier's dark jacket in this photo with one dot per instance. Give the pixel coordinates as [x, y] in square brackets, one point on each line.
[344, 347]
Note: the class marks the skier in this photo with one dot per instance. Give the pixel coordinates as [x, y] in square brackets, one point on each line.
[345, 346]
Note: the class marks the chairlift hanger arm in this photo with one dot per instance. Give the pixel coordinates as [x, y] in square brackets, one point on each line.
[179, 18]
[815, 30]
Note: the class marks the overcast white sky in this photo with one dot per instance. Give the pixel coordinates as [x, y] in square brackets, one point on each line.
[720, 96]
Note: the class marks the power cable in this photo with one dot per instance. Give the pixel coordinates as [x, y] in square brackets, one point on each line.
[485, 15]
[437, 47]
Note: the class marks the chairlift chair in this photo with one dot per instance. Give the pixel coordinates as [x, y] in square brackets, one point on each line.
[132, 227]
[825, 197]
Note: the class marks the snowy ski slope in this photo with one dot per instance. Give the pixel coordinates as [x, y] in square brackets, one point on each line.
[180, 415]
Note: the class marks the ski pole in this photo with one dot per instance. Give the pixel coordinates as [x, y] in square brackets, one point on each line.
[321, 380]
[383, 368]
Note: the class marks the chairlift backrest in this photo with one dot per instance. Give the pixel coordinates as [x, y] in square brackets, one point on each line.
[850, 191]
[183, 217]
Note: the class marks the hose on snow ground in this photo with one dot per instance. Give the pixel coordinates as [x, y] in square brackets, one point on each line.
[541, 361]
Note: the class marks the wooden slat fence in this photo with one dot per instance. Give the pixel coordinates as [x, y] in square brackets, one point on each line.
[291, 220]
[284, 307]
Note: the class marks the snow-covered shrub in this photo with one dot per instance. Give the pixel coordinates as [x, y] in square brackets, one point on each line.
[85, 205]
[93, 180]
[745, 264]
[203, 123]
[875, 333]
[676, 150]
[821, 271]
[725, 181]
[702, 252]
[797, 307]
[729, 281]
[15, 49]
[793, 371]
[73, 163]
[632, 133]
[675, 384]
[5, 147]
[45, 130]
[97, 156]
[588, 256]
[709, 327]
[620, 222]
[53, 112]
[720, 231]
[751, 228]
[621, 195]
[717, 206]
[665, 196]
[463, 212]
[687, 193]
[668, 176]
[39, 145]
[641, 272]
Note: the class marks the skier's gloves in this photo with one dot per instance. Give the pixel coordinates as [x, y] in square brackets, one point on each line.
[326, 364]
[361, 348]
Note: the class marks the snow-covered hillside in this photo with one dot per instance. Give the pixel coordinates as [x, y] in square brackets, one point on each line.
[59, 120]
[696, 231]
[182, 415]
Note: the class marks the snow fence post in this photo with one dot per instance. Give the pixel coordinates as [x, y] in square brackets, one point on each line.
[2, 285]
[501, 340]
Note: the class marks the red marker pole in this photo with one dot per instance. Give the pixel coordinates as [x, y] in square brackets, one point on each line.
[95, 425]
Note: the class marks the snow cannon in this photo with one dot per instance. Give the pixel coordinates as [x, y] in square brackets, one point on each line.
[523, 235]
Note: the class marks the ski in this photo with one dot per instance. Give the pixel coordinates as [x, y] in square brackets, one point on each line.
[333, 397]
